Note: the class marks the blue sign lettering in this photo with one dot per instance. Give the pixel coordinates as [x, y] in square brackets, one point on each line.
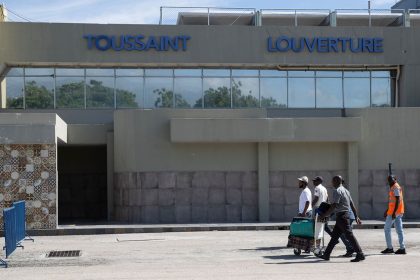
[137, 42]
[325, 44]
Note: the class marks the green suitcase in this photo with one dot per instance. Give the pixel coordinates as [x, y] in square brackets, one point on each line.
[302, 227]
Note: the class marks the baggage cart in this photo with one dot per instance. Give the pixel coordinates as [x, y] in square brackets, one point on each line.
[307, 235]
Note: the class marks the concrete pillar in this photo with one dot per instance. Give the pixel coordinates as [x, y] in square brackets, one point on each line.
[263, 183]
[3, 99]
[110, 174]
[353, 171]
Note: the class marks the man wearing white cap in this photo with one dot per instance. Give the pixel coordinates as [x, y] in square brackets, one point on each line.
[305, 199]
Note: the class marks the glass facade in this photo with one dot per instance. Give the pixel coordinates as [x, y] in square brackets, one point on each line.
[78, 88]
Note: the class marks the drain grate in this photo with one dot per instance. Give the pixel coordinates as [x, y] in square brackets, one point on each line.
[63, 254]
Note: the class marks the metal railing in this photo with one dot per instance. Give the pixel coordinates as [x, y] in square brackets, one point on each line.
[21, 222]
[9, 216]
[414, 11]
[175, 15]
[372, 13]
[251, 16]
[14, 228]
[296, 13]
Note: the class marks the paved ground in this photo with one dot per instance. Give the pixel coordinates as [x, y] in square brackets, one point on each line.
[205, 255]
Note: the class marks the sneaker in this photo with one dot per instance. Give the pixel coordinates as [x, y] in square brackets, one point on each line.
[400, 252]
[359, 257]
[324, 257]
[388, 251]
[349, 254]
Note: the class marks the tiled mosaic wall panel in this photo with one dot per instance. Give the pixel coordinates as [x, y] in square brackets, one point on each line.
[373, 192]
[29, 172]
[186, 197]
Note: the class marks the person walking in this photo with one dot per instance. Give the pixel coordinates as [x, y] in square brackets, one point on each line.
[349, 249]
[394, 215]
[320, 196]
[305, 199]
[341, 205]
[320, 192]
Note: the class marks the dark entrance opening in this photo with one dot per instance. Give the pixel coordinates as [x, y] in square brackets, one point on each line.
[82, 184]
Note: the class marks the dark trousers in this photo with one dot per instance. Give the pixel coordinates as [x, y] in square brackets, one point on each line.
[343, 238]
[342, 226]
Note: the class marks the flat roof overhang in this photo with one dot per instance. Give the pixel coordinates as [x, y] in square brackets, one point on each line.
[32, 128]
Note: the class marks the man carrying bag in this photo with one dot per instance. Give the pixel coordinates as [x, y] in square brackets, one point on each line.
[341, 205]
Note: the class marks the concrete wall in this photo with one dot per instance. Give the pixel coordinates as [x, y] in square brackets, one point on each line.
[186, 197]
[219, 46]
[307, 156]
[85, 127]
[35, 128]
[151, 170]
[28, 165]
[389, 135]
[142, 143]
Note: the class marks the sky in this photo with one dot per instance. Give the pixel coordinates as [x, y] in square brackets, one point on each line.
[148, 11]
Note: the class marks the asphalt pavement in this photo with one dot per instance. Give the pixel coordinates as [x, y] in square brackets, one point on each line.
[206, 255]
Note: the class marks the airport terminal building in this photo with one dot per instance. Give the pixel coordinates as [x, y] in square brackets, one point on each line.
[210, 118]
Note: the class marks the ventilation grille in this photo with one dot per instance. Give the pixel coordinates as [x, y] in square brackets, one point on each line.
[63, 254]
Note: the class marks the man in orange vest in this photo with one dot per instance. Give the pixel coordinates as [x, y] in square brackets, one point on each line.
[394, 215]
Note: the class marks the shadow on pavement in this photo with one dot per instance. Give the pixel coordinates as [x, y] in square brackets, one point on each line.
[289, 257]
[138, 240]
[265, 248]
[304, 262]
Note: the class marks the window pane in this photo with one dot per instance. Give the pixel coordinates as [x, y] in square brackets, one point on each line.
[39, 71]
[100, 72]
[381, 74]
[99, 92]
[245, 93]
[244, 73]
[273, 73]
[129, 92]
[329, 74]
[301, 92]
[188, 93]
[158, 93]
[381, 92]
[301, 73]
[357, 74]
[39, 93]
[69, 72]
[273, 92]
[216, 92]
[70, 92]
[15, 72]
[159, 72]
[188, 72]
[216, 72]
[356, 93]
[329, 93]
[14, 92]
[129, 72]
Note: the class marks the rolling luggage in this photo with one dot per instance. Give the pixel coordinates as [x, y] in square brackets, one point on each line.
[307, 235]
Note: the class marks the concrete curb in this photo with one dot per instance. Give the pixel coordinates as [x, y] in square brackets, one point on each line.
[122, 229]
